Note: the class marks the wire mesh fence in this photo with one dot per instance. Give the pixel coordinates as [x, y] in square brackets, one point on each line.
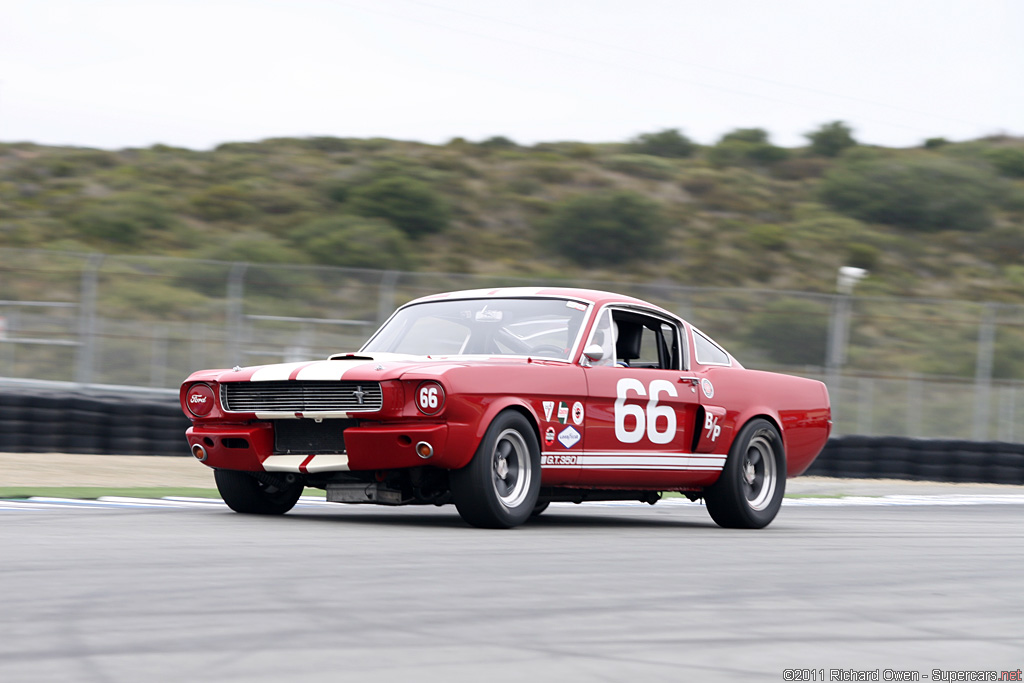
[894, 366]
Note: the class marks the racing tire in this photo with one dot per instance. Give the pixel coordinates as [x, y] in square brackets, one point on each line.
[540, 507]
[748, 493]
[242, 492]
[499, 487]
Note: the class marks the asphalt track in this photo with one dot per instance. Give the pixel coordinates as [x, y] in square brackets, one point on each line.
[192, 592]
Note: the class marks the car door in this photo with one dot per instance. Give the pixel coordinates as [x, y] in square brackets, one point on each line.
[641, 408]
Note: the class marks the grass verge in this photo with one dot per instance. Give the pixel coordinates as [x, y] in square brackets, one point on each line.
[94, 492]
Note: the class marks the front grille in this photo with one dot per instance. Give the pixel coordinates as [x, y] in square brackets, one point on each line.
[301, 397]
[307, 436]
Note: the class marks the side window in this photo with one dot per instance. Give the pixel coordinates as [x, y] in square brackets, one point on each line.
[646, 342]
[708, 352]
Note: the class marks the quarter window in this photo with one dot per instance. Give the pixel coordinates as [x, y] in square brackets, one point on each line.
[708, 352]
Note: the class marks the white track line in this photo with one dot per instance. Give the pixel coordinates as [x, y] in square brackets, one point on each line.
[178, 502]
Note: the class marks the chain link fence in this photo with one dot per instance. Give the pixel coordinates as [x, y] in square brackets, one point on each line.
[894, 366]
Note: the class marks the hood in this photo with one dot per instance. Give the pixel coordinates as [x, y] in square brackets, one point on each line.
[374, 367]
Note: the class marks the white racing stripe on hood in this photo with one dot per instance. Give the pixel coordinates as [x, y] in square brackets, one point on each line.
[273, 373]
[330, 369]
[324, 369]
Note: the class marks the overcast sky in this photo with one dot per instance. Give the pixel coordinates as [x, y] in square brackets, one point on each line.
[132, 73]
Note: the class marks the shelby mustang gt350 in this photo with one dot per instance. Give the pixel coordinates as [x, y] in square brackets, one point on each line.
[502, 401]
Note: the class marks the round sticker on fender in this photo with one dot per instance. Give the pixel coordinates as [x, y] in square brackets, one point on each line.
[430, 398]
[200, 400]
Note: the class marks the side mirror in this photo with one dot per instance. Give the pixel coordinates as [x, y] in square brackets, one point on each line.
[593, 353]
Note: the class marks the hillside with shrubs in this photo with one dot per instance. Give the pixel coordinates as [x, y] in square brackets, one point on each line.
[942, 220]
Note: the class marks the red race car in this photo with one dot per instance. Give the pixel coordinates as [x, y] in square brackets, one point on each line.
[502, 401]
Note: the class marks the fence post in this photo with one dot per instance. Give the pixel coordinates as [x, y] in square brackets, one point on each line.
[386, 298]
[983, 373]
[86, 356]
[235, 312]
[836, 352]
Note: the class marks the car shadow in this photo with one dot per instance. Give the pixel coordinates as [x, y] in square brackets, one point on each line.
[449, 519]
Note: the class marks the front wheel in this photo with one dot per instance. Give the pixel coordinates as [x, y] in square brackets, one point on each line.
[748, 493]
[243, 492]
[499, 487]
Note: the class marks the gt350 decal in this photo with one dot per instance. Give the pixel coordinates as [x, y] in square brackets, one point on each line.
[636, 461]
[556, 460]
[646, 419]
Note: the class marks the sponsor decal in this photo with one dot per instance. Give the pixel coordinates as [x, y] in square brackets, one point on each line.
[576, 305]
[563, 412]
[707, 387]
[549, 436]
[577, 413]
[549, 407]
[569, 437]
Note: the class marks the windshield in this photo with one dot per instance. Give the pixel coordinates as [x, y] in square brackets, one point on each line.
[540, 328]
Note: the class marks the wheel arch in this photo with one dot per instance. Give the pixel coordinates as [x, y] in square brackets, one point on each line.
[491, 412]
[774, 421]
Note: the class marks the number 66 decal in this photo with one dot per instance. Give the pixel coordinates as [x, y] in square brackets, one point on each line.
[646, 418]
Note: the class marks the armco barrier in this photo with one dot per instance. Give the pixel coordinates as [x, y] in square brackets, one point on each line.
[34, 420]
[865, 457]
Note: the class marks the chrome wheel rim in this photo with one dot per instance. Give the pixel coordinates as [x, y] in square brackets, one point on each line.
[758, 473]
[510, 473]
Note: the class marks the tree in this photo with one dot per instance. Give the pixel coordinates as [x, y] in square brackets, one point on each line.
[831, 139]
[667, 143]
[408, 204]
[606, 229]
[746, 147]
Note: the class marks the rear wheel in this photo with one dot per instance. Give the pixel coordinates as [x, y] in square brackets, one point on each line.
[749, 491]
[243, 492]
[498, 489]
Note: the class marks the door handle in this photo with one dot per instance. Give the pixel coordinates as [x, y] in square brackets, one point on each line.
[692, 380]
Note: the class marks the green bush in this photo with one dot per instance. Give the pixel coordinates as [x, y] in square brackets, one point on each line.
[408, 204]
[768, 236]
[641, 166]
[498, 142]
[923, 194]
[1009, 161]
[354, 242]
[605, 229]
[831, 139]
[123, 220]
[551, 172]
[256, 247]
[666, 143]
[860, 255]
[222, 203]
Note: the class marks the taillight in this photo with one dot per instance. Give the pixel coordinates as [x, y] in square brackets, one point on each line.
[199, 399]
[430, 397]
